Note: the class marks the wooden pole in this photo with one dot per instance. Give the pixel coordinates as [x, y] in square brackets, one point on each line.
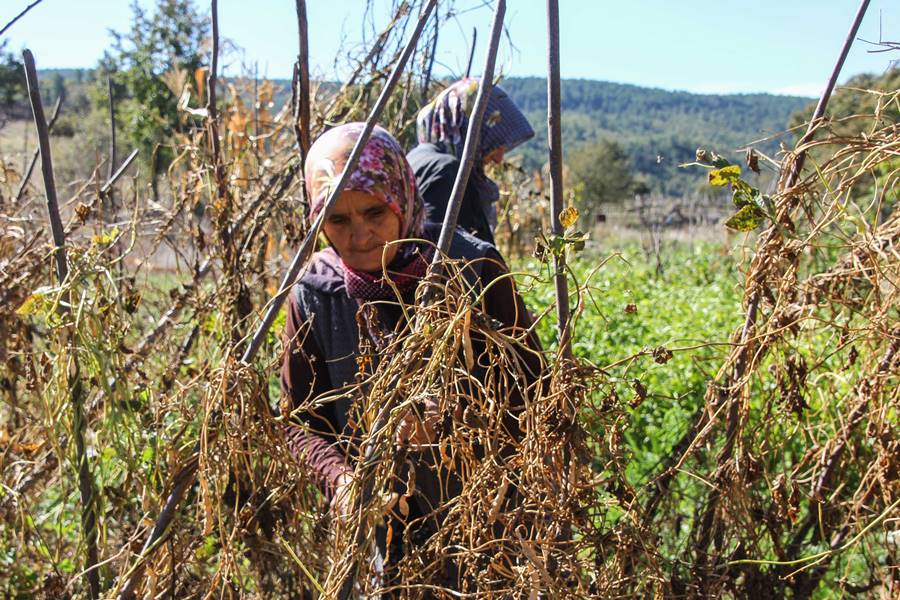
[301, 110]
[819, 112]
[85, 480]
[742, 360]
[554, 136]
[115, 175]
[19, 16]
[112, 130]
[472, 51]
[212, 111]
[426, 83]
[301, 95]
[473, 136]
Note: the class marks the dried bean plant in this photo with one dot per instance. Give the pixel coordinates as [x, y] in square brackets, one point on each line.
[786, 481]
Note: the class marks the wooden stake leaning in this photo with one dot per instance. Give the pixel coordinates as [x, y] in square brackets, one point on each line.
[76, 392]
[736, 381]
[37, 152]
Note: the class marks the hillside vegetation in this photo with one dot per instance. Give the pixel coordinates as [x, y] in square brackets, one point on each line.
[659, 129]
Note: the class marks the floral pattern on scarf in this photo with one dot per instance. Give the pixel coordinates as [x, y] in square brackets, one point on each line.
[446, 118]
[383, 172]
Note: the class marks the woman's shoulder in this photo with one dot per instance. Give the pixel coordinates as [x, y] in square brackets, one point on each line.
[464, 245]
[429, 156]
[324, 273]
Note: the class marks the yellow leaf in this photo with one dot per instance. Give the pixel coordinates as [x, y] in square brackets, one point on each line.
[31, 305]
[725, 175]
[104, 239]
[568, 216]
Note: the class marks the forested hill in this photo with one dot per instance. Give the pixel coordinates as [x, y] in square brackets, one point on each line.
[659, 129]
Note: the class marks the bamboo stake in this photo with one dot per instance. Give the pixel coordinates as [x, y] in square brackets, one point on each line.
[301, 110]
[473, 135]
[112, 135]
[434, 42]
[114, 177]
[212, 110]
[85, 480]
[472, 51]
[186, 476]
[554, 136]
[19, 16]
[301, 98]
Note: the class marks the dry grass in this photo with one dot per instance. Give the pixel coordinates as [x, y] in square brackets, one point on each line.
[787, 478]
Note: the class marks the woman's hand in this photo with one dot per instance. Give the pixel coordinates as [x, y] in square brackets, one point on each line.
[418, 432]
[342, 499]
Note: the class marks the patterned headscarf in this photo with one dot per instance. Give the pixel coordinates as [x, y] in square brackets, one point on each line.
[383, 172]
[446, 118]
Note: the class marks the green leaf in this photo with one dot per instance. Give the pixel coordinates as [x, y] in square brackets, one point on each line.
[557, 244]
[743, 194]
[33, 303]
[747, 219]
[725, 175]
[29, 306]
[718, 161]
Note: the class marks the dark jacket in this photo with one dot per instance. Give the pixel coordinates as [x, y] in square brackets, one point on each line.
[321, 332]
[435, 173]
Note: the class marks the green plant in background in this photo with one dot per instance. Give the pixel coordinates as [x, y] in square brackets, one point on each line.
[164, 49]
[753, 206]
[667, 333]
[12, 80]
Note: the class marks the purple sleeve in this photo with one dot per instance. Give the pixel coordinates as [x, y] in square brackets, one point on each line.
[311, 435]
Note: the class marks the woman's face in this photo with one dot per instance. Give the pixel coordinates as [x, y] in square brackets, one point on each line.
[359, 226]
[494, 157]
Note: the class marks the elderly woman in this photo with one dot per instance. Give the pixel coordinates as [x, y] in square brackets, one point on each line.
[379, 206]
[441, 131]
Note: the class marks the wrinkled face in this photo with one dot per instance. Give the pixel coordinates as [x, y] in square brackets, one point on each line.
[359, 226]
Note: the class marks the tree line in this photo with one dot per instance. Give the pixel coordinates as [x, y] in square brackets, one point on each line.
[619, 139]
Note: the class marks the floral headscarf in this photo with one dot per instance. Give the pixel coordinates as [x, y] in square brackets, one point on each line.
[446, 118]
[382, 171]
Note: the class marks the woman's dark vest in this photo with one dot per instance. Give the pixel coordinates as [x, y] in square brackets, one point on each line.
[323, 301]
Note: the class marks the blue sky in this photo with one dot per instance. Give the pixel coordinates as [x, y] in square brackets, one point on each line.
[777, 46]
